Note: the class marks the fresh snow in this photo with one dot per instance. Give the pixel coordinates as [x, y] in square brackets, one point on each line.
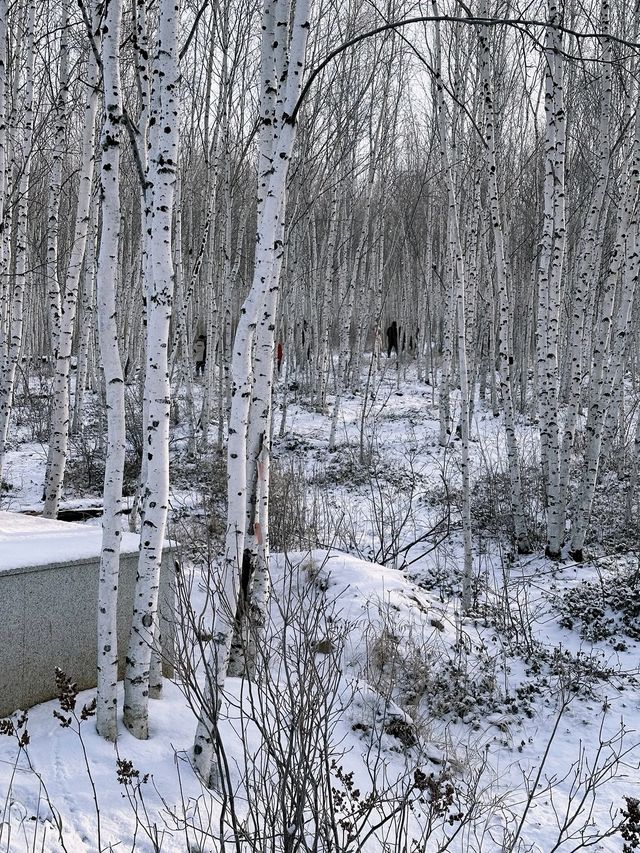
[27, 540]
[415, 684]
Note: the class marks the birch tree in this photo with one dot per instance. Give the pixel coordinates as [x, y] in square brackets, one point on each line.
[282, 67]
[505, 358]
[14, 319]
[160, 183]
[551, 261]
[610, 336]
[64, 310]
[459, 319]
[107, 266]
[589, 254]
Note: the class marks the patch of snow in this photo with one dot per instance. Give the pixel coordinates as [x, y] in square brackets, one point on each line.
[27, 540]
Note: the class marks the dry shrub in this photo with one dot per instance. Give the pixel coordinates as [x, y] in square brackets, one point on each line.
[291, 515]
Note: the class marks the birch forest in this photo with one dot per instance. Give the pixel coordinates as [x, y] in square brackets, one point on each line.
[331, 304]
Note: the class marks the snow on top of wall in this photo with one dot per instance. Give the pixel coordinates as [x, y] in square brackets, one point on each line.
[34, 541]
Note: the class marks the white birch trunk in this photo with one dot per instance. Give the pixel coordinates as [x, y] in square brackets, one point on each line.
[607, 364]
[61, 410]
[15, 322]
[86, 334]
[343, 286]
[261, 587]
[253, 611]
[287, 70]
[458, 272]
[241, 385]
[505, 358]
[555, 518]
[108, 258]
[549, 276]
[162, 171]
[3, 172]
[323, 362]
[446, 366]
[600, 383]
[55, 182]
[182, 342]
[588, 265]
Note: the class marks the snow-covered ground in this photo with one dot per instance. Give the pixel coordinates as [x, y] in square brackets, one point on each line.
[514, 728]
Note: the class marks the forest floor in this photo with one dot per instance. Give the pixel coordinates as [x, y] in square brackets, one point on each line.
[513, 728]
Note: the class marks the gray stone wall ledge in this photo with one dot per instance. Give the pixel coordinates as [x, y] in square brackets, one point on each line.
[49, 605]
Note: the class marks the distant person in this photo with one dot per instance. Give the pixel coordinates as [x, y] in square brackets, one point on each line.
[392, 339]
[279, 356]
[306, 339]
[200, 354]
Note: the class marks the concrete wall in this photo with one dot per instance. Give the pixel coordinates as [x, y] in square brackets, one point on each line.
[48, 619]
